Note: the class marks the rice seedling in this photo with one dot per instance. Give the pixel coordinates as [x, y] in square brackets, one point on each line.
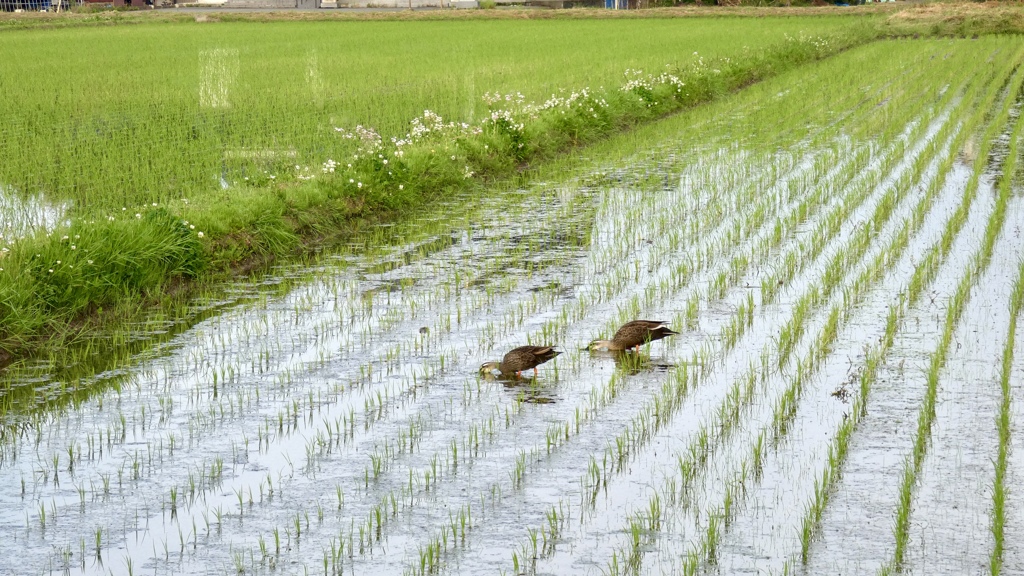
[1003, 425]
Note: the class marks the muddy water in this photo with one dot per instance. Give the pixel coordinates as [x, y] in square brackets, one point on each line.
[331, 418]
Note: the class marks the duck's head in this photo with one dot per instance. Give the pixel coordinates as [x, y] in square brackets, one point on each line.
[489, 367]
[601, 345]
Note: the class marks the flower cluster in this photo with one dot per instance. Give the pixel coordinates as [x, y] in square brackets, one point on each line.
[506, 121]
[646, 85]
[819, 44]
[516, 99]
[515, 111]
[368, 138]
[430, 126]
[575, 100]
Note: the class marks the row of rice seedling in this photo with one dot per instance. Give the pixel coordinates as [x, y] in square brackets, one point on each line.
[938, 357]
[859, 492]
[923, 275]
[1003, 419]
[1003, 428]
[1006, 521]
[693, 462]
[958, 383]
[824, 486]
[822, 490]
[661, 410]
[874, 356]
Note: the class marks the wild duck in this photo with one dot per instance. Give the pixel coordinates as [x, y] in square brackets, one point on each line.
[634, 334]
[522, 358]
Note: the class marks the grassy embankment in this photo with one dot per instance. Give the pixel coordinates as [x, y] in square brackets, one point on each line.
[227, 156]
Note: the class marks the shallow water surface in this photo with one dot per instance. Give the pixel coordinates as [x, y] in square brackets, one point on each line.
[331, 418]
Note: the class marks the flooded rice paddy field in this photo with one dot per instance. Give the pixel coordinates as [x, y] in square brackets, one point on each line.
[840, 249]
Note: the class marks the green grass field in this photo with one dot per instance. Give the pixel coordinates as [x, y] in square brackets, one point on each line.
[123, 116]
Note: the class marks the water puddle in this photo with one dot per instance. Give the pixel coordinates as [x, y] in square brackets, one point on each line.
[22, 216]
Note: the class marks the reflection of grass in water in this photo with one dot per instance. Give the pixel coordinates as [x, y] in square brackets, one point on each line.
[21, 216]
[530, 390]
[74, 365]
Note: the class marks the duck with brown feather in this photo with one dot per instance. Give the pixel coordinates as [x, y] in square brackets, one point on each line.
[634, 334]
[520, 359]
